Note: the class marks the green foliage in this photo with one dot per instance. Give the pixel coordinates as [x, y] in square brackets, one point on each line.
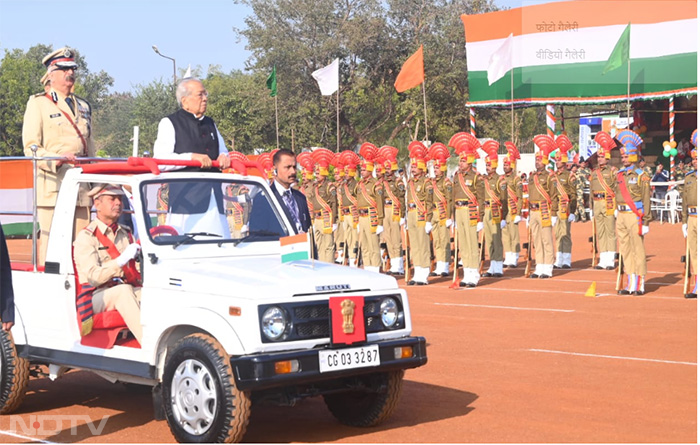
[152, 102]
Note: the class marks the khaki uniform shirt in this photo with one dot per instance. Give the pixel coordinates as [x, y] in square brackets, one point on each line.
[473, 183]
[423, 187]
[514, 187]
[92, 262]
[46, 125]
[608, 175]
[690, 194]
[637, 183]
[498, 186]
[346, 191]
[397, 188]
[374, 191]
[326, 192]
[546, 180]
[444, 186]
[565, 180]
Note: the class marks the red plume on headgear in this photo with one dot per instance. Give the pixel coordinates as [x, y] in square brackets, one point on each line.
[238, 160]
[265, 159]
[322, 157]
[604, 140]
[513, 152]
[545, 143]
[304, 159]
[491, 148]
[416, 150]
[388, 152]
[464, 143]
[349, 158]
[564, 143]
[369, 151]
[438, 151]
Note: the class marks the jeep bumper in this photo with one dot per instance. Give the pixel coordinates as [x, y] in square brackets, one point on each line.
[257, 372]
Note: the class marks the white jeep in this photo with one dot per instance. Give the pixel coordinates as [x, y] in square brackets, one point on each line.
[225, 322]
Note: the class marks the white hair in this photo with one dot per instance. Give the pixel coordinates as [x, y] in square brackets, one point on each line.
[183, 89]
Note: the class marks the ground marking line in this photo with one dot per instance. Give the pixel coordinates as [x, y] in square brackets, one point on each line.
[598, 295]
[613, 356]
[19, 436]
[505, 307]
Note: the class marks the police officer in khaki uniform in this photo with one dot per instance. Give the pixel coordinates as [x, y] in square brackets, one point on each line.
[59, 124]
[632, 198]
[495, 207]
[468, 191]
[394, 209]
[566, 195]
[325, 206]
[603, 198]
[442, 209]
[370, 206]
[349, 217]
[690, 214]
[112, 274]
[340, 234]
[419, 197]
[544, 207]
[514, 192]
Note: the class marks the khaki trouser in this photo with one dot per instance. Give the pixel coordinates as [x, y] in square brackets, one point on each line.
[693, 240]
[419, 241]
[124, 299]
[511, 236]
[632, 250]
[324, 242]
[562, 234]
[468, 242]
[541, 239]
[441, 239]
[391, 234]
[45, 216]
[604, 227]
[369, 243]
[492, 236]
[349, 236]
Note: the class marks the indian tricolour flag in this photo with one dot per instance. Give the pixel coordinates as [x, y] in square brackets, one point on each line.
[16, 197]
[559, 52]
[295, 247]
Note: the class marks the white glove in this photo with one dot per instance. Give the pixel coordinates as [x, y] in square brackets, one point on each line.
[554, 221]
[428, 227]
[517, 219]
[479, 226]
[503, 224]
[380, 229]
[645, 230]
[615, 213]
[402, 222]
[685, 230]
[244, 228]
[448, 223]
[571, 218]
[129, 254]
[335, 227]
[358, 228]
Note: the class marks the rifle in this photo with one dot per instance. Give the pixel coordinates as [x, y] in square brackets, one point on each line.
[407, 258]
[455, 274]
[482, 251]
[385, 257]
[620, 275]
[686, 259]
[594, 242]
[528, 246]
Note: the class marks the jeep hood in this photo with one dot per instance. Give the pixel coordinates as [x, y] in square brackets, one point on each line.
[262, 277]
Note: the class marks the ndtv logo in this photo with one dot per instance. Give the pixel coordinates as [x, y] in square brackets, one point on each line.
[46, 425]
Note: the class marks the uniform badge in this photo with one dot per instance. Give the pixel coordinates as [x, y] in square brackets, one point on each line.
[468, 182]
[633, 180]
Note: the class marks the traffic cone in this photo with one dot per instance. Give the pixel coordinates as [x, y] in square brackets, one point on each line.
[591, 290]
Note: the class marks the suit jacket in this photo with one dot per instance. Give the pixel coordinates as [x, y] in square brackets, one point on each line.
[7, 296]
[262, 218]
[304, 216]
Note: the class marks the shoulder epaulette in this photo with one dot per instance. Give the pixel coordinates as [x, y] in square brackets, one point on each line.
[639, 171]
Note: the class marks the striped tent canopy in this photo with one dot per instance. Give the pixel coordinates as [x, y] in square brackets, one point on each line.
[559, 51]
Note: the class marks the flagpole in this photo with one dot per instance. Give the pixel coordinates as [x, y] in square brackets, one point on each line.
[512, 107]
[629, 59]
[337, 119]
[277, 124]
[425, 111]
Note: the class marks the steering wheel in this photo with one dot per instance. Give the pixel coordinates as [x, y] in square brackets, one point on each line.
[163, 230]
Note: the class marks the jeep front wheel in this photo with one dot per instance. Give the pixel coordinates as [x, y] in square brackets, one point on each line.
[202, 403]
[368, 406]
[14, 375]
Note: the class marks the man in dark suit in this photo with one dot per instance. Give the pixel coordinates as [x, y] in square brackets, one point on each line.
[7, 295]
[292, 201]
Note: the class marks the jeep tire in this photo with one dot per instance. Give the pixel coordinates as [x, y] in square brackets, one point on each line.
[367, 407]
[14, 375]
[200, 398]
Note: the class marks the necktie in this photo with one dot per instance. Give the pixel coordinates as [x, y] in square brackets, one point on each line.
[292, 206]
[114, 227]
[69, 101]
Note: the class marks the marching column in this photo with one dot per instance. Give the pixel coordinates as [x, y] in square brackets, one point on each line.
[325, 207]
[442, 209]
[370, 196]
[514, 190]
[566, 195]
[419, 213]
[495, 210]
[394, 211]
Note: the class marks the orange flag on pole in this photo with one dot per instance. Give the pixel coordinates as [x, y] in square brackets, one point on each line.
[411, 74]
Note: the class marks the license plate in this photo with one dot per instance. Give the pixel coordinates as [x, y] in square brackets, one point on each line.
[349, 358]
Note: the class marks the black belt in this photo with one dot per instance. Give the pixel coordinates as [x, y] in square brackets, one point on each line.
[318, 213]
[600, 195]
[388, 202]
[623, 208]
[411, 205]
[364, 211]
[345, 210]
[462, 203]
[692, 210]
[534, 206]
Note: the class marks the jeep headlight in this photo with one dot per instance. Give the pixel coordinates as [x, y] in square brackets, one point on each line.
[389, 312]
[274, 323]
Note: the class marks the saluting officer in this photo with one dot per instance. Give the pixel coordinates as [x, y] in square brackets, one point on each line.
[394, 209]
[419, 196]
[603, 198]
[442, 209]
[370, 206]
[468, 191]
[59, 123]
[543, 208]
[632, 197]
[325, 206]
[566, 195]
[495, 208]
[514, 191]
[690, 213]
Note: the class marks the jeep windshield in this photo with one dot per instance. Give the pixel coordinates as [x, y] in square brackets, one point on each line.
[204, 211]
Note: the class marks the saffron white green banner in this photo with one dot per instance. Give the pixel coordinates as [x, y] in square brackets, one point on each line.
[16, 197]
[295, 247]
[559, 52]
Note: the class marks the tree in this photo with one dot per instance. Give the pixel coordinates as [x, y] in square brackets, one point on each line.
[152, 103]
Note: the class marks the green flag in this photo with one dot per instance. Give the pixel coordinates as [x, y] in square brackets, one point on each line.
[272, 81]
[621, 53]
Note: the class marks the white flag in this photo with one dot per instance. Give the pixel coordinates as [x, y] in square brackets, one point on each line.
[188, 73]
[501, 61]
[327, 78]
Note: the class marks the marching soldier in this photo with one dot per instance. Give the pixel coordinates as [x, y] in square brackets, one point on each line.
[348, 205]
[324, 204]
[468, 191]
[543, 208]
[603, 200]
[306, 185]
[566, 195]
[690, 214]
[442, 209]
[394, 212]
[514, 191]
[419, 199]
[495, 208]
[632, 197]
[59, 123]
[370, 206]
[339, 172]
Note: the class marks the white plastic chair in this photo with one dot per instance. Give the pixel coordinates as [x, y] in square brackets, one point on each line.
[672, 203]
[658, 207]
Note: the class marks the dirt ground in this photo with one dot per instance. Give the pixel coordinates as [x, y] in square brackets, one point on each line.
[513, 360]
